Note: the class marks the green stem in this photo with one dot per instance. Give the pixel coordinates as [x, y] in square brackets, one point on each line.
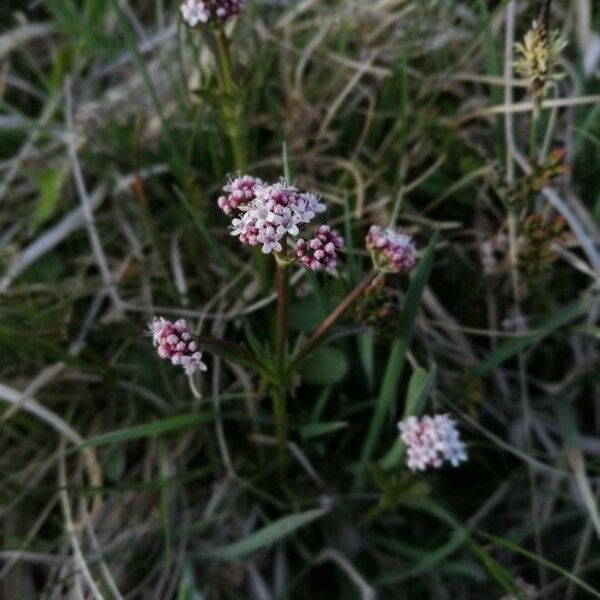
[282, 301]
[231, 111]
[281, 426]
[279, 393]
[316, 338]
[535, 116]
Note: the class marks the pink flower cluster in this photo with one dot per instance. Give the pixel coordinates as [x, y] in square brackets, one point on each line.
[431, 441]
[240, 192]
[319, 252]
[173, 341]
[210, 11]
[392, 252]
[271, 215]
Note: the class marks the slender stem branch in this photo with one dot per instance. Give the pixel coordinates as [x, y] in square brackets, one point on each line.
[231, 111]
[282, 302]
[279, 392]
[316, 338]
[281, 425]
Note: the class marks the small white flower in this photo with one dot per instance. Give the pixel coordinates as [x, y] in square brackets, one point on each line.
[431, 441]
[194, 12]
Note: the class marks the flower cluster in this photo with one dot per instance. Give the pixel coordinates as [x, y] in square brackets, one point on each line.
[239, 193]
[392, 252]
[319, 252]
[210, 11]
[431, 441]
[173, 341]
[272, 215]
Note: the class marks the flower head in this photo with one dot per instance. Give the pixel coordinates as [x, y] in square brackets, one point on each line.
[174, 342]
[539, 54]
[431, 441]
[239, 192]
[392, 252]
[319, 252]
[265, 214]
[210, 11]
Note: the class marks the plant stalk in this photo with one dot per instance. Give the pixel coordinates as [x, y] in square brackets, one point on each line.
[231, 111]
[279, 393]
[316, 338]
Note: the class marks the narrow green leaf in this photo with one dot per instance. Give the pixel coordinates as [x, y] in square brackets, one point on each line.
[313, 430]
[416, 396]
[146, 430]
[541, 560]
[395, 364]
[229, 351]
[268, 535]
[213, 247]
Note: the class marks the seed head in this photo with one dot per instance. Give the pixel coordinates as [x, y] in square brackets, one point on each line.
[539, 53]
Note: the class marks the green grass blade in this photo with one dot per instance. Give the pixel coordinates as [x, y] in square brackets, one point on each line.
[313, 430]
[160, 427]
[418, 388]
[267, 536]
[541, 560]
[395, 364]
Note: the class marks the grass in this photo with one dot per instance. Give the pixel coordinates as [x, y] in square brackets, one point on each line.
[120, 478]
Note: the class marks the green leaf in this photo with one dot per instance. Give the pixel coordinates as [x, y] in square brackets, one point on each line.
[324, 366]
[229, 351]
[268, 535]
[502, 543]
[146, 430]
[50, 183]
[313, 430]
[418, 389]
[395, 364]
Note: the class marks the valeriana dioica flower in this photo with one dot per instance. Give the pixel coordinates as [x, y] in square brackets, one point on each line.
[272, 216]
[319, 252]
[431, 441]
[174, 342]
[239, 192]
[210, 11]
[392, 252]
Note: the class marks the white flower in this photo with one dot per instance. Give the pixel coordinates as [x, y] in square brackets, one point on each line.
[269, 239]
[194, 12]
[431, 441]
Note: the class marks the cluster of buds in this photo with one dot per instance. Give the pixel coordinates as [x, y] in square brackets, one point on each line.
[319, 252]
[273, 215]
[175, 342]
[539, 54]
[537, 238]
[210, 12]
[391, 251]
[431, 441]
[526, 589]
